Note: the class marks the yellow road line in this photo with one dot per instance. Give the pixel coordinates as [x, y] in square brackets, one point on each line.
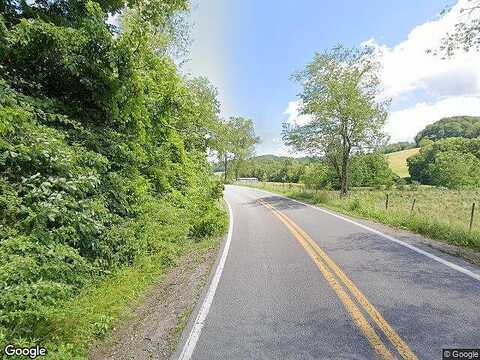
[320, 257]
[392, 335]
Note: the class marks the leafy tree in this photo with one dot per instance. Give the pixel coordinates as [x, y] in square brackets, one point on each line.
[425, 142]
[455, 169]
[466, 35]
[340, 91]
[370, 170]
[222, 145]
[431, 166]
[274, 168]
[235, 143]
[59, 12]
[318, 175]
[365, 170]
[456, 126]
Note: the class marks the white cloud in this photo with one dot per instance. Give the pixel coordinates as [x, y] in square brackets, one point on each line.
[408, 67]
[404, 124]
[294, 117]
[428, 86]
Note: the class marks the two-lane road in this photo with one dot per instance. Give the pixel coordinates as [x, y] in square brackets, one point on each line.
[295, 282]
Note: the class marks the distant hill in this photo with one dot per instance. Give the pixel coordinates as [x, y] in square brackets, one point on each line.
[395, 147]
[398, 161]
[271, 157]
[456, 126]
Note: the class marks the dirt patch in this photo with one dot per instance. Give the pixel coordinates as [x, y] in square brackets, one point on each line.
[153, 330]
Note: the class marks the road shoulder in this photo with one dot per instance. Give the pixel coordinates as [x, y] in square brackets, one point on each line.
[468, 257]
[467, 254]
[154, 328]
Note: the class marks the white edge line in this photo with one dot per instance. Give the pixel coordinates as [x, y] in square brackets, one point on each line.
[194, 335]
[388, 237]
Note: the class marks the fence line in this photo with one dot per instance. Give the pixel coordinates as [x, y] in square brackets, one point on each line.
[389, 203]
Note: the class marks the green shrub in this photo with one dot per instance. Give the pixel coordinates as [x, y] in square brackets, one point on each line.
[370, 170]
[401, 184]
[449, 162]
[318, 176]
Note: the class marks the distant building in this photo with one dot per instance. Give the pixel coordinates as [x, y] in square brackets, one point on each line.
[247, 180]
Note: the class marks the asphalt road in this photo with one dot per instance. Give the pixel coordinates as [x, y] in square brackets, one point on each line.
[300, 283]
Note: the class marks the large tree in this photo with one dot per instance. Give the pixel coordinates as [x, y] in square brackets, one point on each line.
[222, 144]
[234, 142]
[341, 91]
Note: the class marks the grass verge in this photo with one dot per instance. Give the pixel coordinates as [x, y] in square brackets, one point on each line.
[369, 204]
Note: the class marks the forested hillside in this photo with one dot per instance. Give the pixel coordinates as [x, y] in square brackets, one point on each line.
[455, 126]
[103, 151]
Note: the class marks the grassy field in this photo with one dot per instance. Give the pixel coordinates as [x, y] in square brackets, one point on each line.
[439, 214]
[398, 161]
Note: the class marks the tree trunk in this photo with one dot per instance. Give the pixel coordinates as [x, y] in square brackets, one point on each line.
[225, 166]
[344, 175]
[344, 187]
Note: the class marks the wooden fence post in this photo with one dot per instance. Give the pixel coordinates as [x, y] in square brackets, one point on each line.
[413, 206]
[471, 216]
[386, 202]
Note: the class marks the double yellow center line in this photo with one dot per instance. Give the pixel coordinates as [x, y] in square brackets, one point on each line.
[351, 297]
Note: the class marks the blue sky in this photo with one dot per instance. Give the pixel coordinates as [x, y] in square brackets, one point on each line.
[249, 49]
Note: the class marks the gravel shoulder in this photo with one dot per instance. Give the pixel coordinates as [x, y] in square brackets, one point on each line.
[153, 329]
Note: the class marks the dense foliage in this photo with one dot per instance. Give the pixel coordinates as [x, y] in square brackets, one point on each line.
[370, 170]
[103, 151]
[234, 142]
[452, 163]
[274, 168]
[365, 170]
[456, 126]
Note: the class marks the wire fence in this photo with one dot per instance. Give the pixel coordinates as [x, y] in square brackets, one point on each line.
[452, 207]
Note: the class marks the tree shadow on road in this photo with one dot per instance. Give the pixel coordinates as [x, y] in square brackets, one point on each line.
[281, 203]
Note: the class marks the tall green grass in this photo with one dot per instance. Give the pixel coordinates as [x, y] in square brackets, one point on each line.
[439, 214]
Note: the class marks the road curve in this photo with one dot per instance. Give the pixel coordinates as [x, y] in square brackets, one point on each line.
[297, 283]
